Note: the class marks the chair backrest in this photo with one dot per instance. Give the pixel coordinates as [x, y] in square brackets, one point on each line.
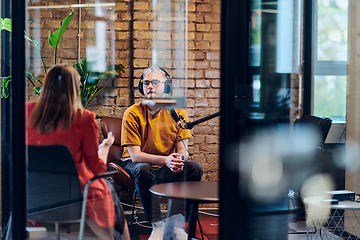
[123, 179]
[113, 124]
[53, 183]
[320, 124]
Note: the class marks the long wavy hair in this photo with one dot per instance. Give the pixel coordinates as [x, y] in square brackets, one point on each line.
[59, 100]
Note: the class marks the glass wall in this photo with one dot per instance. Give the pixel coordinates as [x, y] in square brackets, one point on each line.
[5, 114]
[100, 40]
[13, 167]
[261, 98]
[109, 43]
[275, 50]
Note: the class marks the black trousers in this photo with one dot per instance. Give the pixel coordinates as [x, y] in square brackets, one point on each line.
[146, 176]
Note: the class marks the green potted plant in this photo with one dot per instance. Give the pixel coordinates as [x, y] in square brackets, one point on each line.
[89, 79]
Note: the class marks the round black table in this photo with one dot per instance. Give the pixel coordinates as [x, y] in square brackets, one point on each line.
[193, 192]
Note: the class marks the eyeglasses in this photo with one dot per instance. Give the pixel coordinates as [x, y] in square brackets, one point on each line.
[154, 82]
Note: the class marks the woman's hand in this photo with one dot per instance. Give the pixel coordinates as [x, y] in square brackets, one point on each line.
[105, 146]
[107, 141]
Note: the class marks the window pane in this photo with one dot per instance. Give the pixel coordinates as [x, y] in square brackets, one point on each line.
[330, 96]
[332, 30]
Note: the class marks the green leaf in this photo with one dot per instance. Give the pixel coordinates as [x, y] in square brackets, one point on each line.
[37, 45]
[113, 70]
[37, 90]
[119, 68]
[28, 74]
[54, 38]
[92, 82]
[90, 79]
[8, 78]
[81, 68]
[5, 93]
[4, 86]
[97, 90]
[6, 24]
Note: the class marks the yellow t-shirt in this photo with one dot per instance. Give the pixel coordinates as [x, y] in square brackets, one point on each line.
[155, 134]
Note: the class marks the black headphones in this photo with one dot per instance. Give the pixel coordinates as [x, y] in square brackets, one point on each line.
[167, 87]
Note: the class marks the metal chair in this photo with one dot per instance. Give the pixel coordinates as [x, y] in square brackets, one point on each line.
[54, 192]
[122, 179]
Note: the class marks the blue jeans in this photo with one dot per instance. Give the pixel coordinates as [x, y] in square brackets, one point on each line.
[146, 176]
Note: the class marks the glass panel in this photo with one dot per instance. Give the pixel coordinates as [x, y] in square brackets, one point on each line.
[274, 69]
[82, 36]
[256, 88]
[13, 180]
[255, 34]
[332, 24]
[104, 33]
[87, 39]
[273, 56]
[5, 115]
[330, 96]
[169, 28]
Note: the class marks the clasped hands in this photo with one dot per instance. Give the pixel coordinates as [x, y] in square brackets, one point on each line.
[175, 162]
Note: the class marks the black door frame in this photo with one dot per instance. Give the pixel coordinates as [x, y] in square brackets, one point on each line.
[235, 19]
[13, 141]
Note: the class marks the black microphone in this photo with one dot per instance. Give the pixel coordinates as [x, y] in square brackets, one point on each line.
[190, 125]
[176, 117]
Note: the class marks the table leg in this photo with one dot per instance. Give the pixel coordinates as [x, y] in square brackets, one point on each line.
[192, 219]
[170, 203]
[169, 225]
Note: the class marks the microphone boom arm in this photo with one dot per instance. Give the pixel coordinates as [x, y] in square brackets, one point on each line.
[190, 125]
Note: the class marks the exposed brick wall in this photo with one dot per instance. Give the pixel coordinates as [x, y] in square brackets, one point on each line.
[203, 83]
[203, 86]
[204, 70]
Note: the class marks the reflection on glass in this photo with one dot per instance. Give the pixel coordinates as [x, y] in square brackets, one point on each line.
[330, 96]
[255, 35]
[88, 40]
[274, 48]
[332, 30]
[256, 88]
[169, 44]
[96, 55]
[79, 34]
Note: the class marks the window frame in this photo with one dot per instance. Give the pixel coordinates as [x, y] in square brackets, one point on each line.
[321, 67]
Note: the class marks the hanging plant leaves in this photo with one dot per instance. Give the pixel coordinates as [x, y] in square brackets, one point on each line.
[37, 90]
[28, 74]
[6, 24]
[31, 40]
[4, 86]
[37, 45]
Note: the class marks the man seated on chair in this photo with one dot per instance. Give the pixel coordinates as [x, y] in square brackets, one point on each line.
[156, 148]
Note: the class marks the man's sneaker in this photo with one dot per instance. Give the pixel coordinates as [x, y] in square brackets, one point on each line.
[158, 231]
[179, 233]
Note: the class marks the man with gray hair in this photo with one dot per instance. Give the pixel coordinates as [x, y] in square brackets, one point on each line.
[156, 148]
